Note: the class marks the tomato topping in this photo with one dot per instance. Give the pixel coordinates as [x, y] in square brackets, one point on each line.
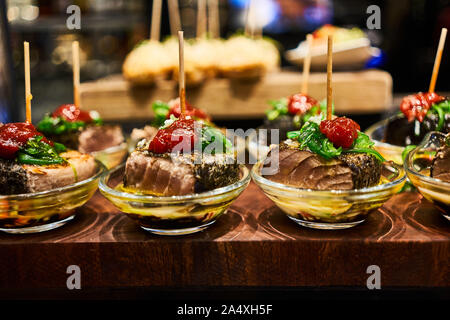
[416, 106]
[175, 109]
[301, 103]
[179, 134]
[72, 113]
[341, 131]
[13, 136]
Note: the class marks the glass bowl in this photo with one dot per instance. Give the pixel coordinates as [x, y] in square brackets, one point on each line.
[388, 151]
[46, 210]
[331, 209]
[113, 156]
[417, 166]
[173, 215]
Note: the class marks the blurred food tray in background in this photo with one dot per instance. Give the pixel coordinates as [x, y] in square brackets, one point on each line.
[362, 92]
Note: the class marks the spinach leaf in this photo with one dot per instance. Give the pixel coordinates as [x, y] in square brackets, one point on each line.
[161, 111]
[38, 152]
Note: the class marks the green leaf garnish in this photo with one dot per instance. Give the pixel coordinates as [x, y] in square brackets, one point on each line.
[279, 108]
[57, 125]
[441, 109]
[161, 111]
[312, 138]
[210, 135]
[38, 152]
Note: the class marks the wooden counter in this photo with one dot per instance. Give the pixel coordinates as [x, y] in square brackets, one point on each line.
[254, 244]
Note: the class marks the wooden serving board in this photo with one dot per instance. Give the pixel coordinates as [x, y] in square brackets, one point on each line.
[354, 93]
[254, 244]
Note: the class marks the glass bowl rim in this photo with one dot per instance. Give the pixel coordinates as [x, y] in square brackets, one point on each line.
[369, 131]
[410, 169]
[283, 187]
[101, 169]
[193, 196]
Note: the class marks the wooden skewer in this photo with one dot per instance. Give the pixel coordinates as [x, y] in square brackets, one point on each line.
[214, 18]
[28, 96]
[307, 64]
[201, 18]
[437, 60]
[249, 27]
[181, 73]
[174, 17]
[156, 20]
[329, 73]
[76, 72]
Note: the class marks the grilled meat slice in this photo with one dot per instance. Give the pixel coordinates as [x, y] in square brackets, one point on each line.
[440, 168]
[18, 178]
[304, 169]
[148, 132]
[91, 139]
[97, 138]
[161, 175]
[158, 175]
[366, 169]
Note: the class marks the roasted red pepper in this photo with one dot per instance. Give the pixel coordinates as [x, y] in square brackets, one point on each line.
[180, 134]
[13, 136]
[301, 103]
[341, 131]
[72, 113]
[416, 106]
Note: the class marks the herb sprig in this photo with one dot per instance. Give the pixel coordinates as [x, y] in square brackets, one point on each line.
[38, 152]
[57, 125]
[312, 138]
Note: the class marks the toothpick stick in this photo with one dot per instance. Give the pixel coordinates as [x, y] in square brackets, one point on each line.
[28, 96]
[437, 60]
[181, 74]
[329, 73]
[156, 20]
[201, 18]
[307, 64]
[249, 20]
[76, 72]
[213, 18]
[174, 17]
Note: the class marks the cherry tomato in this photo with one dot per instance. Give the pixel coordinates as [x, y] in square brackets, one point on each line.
[300, 104]
[72, 113]
[416, 106]
[341, 131]
[13, 136]
[180, 134]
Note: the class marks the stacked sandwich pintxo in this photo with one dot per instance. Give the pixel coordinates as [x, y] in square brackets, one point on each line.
[428, 169]
[183, 178]
[41, 181]
[420, 114]
[327, 155]
[81, 130]
[32, 163]
[153, 167]
[327, 175]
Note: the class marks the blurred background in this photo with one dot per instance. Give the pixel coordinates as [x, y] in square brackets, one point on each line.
[110, 28]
